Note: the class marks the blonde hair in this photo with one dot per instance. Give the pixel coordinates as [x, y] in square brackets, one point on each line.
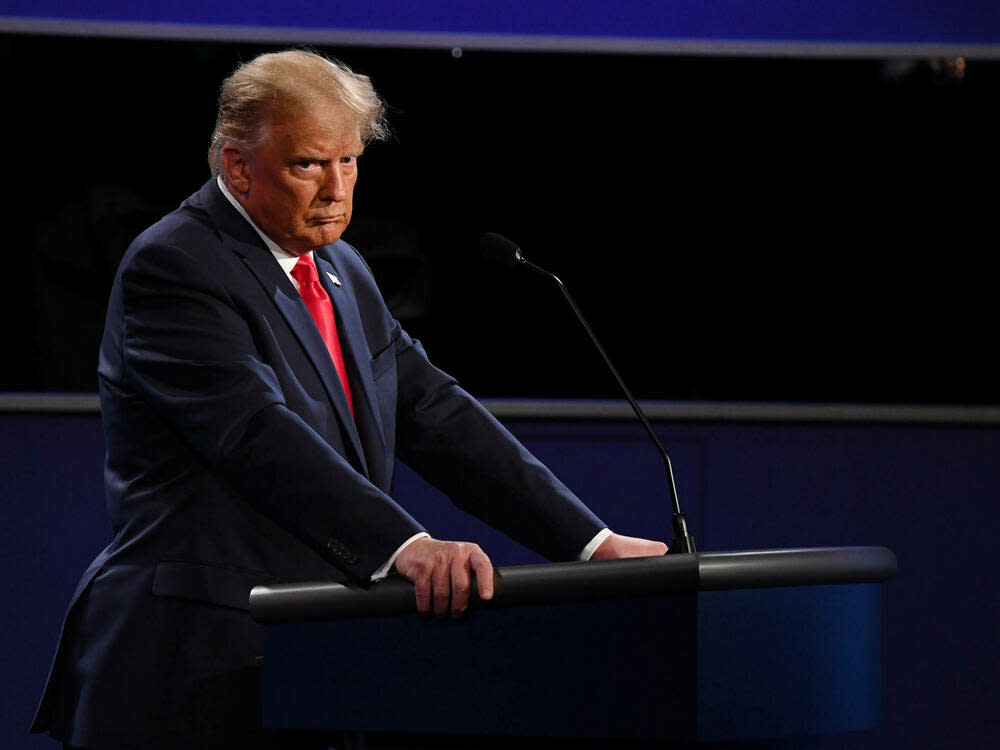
[278, 81]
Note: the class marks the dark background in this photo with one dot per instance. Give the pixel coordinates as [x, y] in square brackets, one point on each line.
[735, 228]
[760, 229]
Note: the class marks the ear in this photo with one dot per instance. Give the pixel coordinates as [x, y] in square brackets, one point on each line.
[236, 168]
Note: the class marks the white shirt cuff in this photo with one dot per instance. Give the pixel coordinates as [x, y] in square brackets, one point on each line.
[596, 542]
[382, 572]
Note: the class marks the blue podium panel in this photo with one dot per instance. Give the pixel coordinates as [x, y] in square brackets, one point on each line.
[709, 666]
[787, 662]
[596, 669]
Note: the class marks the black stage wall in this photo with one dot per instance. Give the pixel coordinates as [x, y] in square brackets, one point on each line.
[751, 228]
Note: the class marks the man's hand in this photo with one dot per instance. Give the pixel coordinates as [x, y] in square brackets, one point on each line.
[616, 546]
[440, 572]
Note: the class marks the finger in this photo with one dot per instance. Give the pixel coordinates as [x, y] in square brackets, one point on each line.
[422, 586]
[460, 585]
[441, 581]
[481, 564]
[652, 549]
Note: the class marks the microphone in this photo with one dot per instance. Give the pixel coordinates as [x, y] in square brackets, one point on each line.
[498, 249]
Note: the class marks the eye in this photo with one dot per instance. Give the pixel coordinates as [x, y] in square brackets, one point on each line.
[304, 163]
[352, 159]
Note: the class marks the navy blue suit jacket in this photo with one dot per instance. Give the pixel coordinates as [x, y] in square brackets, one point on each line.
[232, 461]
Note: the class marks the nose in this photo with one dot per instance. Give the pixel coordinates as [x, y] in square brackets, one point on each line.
[334, 188]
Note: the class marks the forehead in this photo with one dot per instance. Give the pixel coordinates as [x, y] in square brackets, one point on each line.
[325, 126]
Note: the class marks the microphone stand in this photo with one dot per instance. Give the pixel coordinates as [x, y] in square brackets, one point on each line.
[683, 542]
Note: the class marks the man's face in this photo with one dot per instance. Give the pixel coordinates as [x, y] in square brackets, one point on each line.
[298, 184]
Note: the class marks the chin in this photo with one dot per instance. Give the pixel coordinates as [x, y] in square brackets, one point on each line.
[328, 235]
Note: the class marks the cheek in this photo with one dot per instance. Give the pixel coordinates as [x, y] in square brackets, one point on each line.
[305, 200]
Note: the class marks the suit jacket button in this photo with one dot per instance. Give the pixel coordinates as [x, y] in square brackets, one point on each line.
[340, 551]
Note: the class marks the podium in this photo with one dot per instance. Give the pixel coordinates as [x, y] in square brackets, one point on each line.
[712, 647]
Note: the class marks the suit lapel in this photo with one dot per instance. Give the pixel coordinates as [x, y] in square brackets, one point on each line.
[245, 242]
[358, 359]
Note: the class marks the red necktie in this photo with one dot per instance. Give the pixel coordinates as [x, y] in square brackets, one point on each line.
[321, 309]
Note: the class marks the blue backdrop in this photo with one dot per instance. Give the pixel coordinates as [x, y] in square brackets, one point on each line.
[853, 21]
[928, 492]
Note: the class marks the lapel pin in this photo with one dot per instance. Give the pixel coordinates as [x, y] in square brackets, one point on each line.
[334, 279]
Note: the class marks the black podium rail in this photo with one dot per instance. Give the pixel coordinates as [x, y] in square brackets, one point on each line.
[587, 581]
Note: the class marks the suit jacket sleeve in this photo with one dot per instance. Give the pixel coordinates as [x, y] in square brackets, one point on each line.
[451, 440]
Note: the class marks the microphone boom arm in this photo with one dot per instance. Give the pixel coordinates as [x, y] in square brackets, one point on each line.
[682, 542]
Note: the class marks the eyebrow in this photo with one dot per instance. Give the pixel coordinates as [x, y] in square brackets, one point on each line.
[307, 156]
[295, 159]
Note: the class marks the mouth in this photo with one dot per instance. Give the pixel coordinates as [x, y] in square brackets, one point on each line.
[326, 219]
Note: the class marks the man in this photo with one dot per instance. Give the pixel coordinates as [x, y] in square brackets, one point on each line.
[255, 393]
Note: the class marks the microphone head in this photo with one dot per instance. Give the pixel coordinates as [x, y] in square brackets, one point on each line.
[498, 249]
